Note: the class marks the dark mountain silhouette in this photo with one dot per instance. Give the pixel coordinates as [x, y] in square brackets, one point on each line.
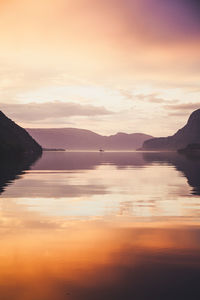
[189, 134]
[14, 140]
[81, 139]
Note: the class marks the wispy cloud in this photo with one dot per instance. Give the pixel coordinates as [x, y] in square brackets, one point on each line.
[181, 110]
[34, 112]
[151, 98]
[183, 107]
[154, 98]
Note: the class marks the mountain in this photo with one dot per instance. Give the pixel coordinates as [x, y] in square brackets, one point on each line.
[15, 140]
[81, 139]
[189, 134]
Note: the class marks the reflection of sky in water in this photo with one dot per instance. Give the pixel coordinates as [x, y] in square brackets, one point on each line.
[151, 190]
[97, 227]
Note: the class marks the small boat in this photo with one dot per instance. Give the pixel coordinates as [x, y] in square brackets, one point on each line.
[101, 150]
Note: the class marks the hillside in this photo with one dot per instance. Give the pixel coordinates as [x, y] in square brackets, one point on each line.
[81, 139]
[14, 139]
[189, 134]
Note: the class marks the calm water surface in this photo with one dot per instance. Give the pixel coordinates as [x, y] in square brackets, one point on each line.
[101, 226]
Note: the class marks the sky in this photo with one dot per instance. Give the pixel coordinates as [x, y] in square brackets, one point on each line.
[108, 66]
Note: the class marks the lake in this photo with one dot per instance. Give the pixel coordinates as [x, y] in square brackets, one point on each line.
[101, 226]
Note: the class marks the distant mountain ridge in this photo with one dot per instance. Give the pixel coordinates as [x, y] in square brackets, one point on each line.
[14, 139]
[82, 139]
[189, 134]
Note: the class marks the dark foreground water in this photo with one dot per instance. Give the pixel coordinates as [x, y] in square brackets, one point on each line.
[101, 226]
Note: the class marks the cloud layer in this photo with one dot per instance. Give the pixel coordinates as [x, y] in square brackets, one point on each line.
[52, 111]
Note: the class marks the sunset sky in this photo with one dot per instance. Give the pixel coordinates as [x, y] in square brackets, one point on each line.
[103, 65]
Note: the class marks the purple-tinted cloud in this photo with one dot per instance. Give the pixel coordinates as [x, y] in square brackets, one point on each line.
[181, 110]
[183, 107]
[155, 98]
[50, 110]
[161, 20]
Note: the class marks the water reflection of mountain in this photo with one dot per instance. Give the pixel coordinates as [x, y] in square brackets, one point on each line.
[189, 166]
[88, 160]
[12, 167]
[80, 161]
